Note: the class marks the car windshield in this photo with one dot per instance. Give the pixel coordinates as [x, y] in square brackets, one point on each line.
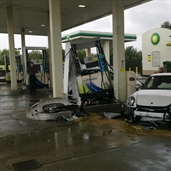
[158, 82]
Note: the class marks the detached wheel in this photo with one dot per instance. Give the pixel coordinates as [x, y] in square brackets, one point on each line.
[53, 108]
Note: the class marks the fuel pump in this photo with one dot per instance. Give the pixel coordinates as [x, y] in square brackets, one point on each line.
[19, 69]
[7, 71]
[42, 76]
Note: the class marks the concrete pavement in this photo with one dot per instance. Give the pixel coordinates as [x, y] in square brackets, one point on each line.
[91, 143]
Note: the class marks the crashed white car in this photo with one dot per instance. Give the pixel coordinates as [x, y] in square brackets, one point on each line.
[152, 101]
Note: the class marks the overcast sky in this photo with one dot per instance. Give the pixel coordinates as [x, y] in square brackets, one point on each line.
[138, 20]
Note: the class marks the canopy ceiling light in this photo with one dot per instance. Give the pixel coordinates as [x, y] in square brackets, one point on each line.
[82, 6]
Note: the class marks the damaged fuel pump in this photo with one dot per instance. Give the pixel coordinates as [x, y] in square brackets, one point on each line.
[92, 82]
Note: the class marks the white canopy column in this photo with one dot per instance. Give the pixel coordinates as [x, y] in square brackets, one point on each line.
[56, 47]
[22, 48]
[88, 52]
[50, 59]
[119, 50]
[67, 67]
[10, 28]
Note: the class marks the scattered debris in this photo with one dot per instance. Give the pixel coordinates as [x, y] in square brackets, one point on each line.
[148, 128]
[110, 115]
[72, 118]
[86, 136]
[128, 120]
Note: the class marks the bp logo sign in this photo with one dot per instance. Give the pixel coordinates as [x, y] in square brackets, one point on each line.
[155, 39]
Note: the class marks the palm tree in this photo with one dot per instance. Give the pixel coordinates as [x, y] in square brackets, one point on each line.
[166, 24]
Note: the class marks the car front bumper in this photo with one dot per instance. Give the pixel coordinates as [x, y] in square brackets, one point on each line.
[149, 114]
[145, 112]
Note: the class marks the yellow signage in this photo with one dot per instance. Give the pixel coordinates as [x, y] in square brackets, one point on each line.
[168, 44]
[122, 69]
[149, 58]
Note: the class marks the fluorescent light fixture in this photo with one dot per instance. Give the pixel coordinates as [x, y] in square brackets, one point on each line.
[43, 25]
[30, 31]
[81, 6]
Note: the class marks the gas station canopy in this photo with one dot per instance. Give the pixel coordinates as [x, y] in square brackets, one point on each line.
[92, 35]
[31, 16]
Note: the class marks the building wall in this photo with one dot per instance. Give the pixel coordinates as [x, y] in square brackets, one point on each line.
[154, 49]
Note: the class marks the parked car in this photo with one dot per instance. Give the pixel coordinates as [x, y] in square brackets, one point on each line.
[152, 100]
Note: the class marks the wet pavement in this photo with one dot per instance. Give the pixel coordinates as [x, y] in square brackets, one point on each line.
[91, 143]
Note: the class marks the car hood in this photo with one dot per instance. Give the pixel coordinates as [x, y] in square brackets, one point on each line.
[153, 97]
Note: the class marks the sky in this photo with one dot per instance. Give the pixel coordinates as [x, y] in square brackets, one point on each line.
[138, 20]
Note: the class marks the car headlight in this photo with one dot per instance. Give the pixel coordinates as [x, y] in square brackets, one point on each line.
[130, 101]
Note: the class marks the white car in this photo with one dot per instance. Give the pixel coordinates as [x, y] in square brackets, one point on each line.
[153, 100]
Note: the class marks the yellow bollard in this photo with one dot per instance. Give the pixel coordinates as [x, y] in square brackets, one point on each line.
[136, 69]
[129, 69]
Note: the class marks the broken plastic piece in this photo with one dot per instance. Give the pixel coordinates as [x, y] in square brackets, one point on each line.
[110, 115]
